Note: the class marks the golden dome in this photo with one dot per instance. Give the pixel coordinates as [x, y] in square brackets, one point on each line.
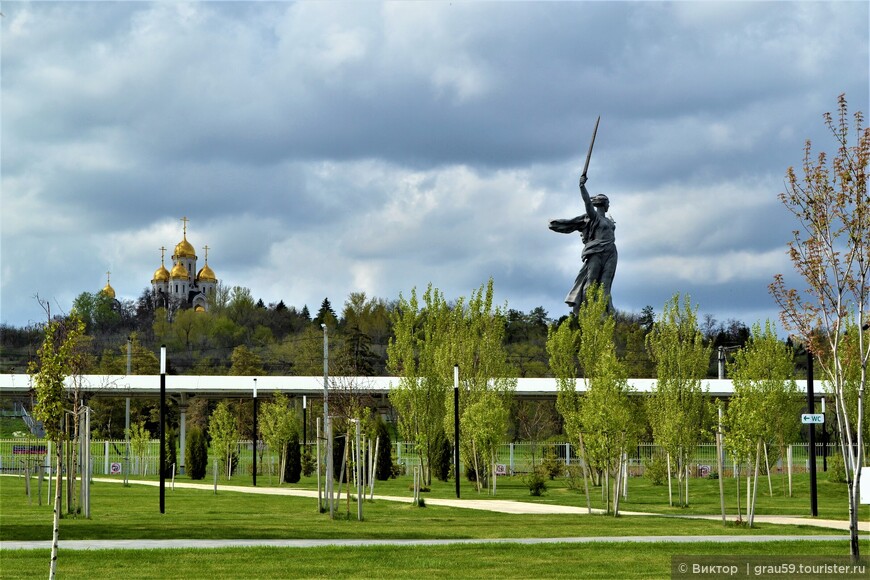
[184, 249]
[179, 271]
[199, 308]
[206, 274]
[161, 274]
[108, 290]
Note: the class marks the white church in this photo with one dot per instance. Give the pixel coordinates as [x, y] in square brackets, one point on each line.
[179, 286]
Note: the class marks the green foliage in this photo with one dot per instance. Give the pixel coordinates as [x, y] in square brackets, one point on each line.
[246, 363]
[836, 468]
[384, 460]
[766, 398]
[56, 360]
[443, 458]
[170, 453]
[196, 453]
[139, 437]
[278, 425]
[293, 463]
[550, 465]
[224, 436]
[308, 463]
[655, 469]
[678, 407]
[420, 396]
[536, 481]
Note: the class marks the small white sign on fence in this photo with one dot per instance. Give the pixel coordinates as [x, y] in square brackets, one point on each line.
[115, 469]
[500, 469]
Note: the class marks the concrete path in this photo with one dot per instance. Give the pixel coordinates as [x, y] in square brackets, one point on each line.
[201, 544]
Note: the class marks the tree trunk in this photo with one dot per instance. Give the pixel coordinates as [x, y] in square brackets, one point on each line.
[55, 532]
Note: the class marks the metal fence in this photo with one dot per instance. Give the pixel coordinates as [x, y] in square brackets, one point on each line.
[111, 457]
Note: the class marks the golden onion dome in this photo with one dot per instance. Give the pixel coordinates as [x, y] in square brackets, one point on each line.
[161, 274]
[206, 274]
[199, 308]
[184, 249]
[179, 271]
[108, 290]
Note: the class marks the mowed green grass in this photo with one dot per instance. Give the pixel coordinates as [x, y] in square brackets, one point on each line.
[119, 512]
[618, 560]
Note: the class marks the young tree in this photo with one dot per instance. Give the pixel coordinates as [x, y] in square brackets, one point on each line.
[831, 253]
[224, 436]
[419, 398]
[678, 406]
[475, 341]
[277, 425]
[766, 401]
[604, 418]
[49, 373]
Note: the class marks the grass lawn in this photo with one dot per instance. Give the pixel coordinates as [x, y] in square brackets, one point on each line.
[620, 560]
[642, 495]
[120, 512]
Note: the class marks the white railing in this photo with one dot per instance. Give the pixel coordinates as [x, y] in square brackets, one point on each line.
[110, 457]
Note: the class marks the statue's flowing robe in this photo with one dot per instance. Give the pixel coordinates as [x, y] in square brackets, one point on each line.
[599, 255]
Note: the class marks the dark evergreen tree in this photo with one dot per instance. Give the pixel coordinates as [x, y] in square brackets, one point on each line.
[197, 453]
[384, 460]
[326, 315]
[293, 466]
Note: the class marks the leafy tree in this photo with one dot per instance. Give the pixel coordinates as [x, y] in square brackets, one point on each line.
[224, 436]
[678, 406]
[419, 398]
[602, 422]
[277, 426]
[475, 340]
[831, 254]
[49, 373]
[196, 453]
[766, 401]
[139, 437]
[246, 363]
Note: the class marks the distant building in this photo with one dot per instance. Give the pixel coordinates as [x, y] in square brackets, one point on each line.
[179, 287]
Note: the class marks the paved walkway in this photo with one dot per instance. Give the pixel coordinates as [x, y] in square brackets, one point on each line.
[501, 506]
[170, 544]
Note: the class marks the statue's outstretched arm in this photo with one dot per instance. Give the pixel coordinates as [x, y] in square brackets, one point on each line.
[587, 201]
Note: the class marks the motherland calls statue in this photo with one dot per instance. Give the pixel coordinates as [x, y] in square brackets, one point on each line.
[599, 242]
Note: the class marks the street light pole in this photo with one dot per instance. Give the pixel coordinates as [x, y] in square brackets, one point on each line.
[255, 432]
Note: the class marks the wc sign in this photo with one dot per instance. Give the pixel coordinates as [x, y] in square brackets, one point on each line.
[813, 418]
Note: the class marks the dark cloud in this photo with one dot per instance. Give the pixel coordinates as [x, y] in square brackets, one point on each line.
[325, 148]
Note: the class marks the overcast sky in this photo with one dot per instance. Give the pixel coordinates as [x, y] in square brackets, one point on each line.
[323, 148]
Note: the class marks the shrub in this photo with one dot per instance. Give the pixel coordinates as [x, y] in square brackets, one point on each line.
[836, 468]
[656, 470]
[574, 477]
[196, 451]
[537, 481]
[551, 464]
[307, 463]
